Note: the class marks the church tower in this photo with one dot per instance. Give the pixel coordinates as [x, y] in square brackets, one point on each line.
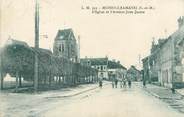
[65, 45]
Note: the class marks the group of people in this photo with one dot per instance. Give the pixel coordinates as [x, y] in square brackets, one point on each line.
[122, 82]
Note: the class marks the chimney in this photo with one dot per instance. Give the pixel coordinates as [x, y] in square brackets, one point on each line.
[180, 21]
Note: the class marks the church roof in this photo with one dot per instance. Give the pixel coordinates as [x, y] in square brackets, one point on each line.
[65, 34]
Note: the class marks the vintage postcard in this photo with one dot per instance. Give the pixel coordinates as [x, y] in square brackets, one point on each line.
[91, 58]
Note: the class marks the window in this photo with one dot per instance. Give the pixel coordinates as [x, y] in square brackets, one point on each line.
[101, 67]
[59, 47]
[63, 48]
[61, 37]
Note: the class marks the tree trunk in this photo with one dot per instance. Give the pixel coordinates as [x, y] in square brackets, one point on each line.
[17, 76]
[59, 80]
[1, 80]
[1, 75]
[20, 81]
[49, 80]
[45, 79]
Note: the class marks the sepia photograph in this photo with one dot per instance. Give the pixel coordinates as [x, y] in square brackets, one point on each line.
[91, 58]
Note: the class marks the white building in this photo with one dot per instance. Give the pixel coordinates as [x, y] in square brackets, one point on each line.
[98, 63]
[107, 69]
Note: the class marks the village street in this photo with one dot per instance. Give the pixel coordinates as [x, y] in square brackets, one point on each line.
[62, 58]
[94, 102]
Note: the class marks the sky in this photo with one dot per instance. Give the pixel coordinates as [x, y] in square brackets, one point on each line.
[119, 36]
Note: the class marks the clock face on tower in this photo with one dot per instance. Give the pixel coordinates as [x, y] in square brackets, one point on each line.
[61, 37]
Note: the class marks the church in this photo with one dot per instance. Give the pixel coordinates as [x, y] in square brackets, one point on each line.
[65, 45]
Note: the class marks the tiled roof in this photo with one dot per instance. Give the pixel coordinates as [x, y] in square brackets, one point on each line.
[64, 34]
[102, 61]
[16, 42]
[41, 50]
[114, 65]
[95, 61]
[133, 68]
[177, 36]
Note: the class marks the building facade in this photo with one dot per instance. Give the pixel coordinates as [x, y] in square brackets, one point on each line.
[65, 45]
[165, 63]
[134, 74]
[171, 72]
[116, 70]
[98, 63]
[107, 69]
[145, 73]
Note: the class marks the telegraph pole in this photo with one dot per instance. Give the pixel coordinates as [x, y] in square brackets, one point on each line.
[79, 48]
[1, 72]
[36, 45]
[173, 62]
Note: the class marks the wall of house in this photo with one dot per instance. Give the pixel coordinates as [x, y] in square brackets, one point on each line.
[102, 71]
[170, 65]
[145, 69]
[166, 59]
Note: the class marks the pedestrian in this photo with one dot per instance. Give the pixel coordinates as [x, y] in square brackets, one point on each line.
[112, 84]
[124, 82]
[121, 83]
[116, 82]
[173, 90]
[144, 83]
[100, 83]
[129, 83]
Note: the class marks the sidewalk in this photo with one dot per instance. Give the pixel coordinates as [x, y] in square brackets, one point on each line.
[162, 92]
[60, 93]
[14, 103]
[69, 92]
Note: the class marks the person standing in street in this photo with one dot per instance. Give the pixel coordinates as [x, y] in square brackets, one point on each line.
[144, 83]
[113, 83]
[116, 82]
[121, 83]
[129, 83]
[100, 83]
[124, 83]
